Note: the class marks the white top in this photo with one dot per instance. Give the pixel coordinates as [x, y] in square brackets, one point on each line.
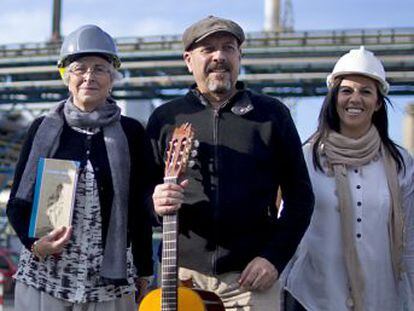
[316, 275]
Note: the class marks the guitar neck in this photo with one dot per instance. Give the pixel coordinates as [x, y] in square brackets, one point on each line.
[169, 265]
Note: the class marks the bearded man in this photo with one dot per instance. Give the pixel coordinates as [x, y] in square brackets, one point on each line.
[231, 239]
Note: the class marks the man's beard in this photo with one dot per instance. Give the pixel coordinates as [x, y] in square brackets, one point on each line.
[219, 86]
[222, 85]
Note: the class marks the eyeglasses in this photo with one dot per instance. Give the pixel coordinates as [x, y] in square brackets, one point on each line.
[97, 70]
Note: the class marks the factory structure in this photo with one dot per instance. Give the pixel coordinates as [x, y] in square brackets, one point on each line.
[278, 61]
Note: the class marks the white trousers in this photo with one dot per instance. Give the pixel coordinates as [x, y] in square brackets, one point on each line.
[27, 298]
[234, 297]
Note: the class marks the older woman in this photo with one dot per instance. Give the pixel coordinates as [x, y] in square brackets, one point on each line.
[92, 265]
[358, 252]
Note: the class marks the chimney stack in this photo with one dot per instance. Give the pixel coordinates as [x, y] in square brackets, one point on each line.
[57, 5]
[272, 15]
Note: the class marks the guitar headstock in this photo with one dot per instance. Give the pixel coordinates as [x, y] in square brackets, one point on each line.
[179, 150]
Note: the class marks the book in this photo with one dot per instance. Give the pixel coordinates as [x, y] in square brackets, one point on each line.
[54, 195]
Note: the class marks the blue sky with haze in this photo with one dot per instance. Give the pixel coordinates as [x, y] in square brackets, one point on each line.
[30, 21]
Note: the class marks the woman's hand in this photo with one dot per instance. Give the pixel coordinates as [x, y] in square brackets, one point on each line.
[168, 197]
[54, 242]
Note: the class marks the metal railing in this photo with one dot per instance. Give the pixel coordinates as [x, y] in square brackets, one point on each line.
[382, 36]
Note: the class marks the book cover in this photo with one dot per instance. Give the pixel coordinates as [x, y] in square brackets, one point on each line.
[54, 195]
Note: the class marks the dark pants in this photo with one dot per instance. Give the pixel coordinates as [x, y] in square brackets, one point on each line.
[291, 304]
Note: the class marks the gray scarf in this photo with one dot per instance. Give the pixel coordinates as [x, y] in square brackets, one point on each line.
[46, 143]
[342, 152]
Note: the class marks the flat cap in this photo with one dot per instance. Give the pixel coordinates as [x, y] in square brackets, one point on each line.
[209, 25]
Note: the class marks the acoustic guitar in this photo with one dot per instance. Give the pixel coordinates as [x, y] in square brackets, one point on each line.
[171, 297]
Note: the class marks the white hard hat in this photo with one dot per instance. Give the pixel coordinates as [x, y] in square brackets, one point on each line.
[362, 62]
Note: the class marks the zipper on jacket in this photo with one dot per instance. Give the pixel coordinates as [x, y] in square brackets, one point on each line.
[216, 119]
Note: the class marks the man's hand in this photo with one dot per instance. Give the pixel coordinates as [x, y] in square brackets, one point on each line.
[168, 198]
[54, 242]
[259, 274]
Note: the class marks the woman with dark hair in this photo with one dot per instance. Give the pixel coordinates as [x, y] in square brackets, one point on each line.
[358, 252]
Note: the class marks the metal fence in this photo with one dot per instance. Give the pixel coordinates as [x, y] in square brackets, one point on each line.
[254, 39]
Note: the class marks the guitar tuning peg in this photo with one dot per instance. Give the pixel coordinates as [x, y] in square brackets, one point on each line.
[191, 163]
[194, 153]
[196, 143]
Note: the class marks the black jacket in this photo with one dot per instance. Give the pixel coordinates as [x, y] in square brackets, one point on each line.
[73, 146]
[247, 149]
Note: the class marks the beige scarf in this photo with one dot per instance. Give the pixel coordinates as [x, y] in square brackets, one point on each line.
[342, 152]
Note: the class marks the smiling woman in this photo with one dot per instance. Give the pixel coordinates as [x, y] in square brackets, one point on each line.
[89, 82]
[357, 102]
[362, 232]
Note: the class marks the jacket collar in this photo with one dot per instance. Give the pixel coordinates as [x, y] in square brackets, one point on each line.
[240, 102]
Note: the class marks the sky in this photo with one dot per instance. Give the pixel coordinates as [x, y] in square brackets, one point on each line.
[24, 21]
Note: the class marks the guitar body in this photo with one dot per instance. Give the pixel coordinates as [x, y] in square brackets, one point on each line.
[188, 300]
